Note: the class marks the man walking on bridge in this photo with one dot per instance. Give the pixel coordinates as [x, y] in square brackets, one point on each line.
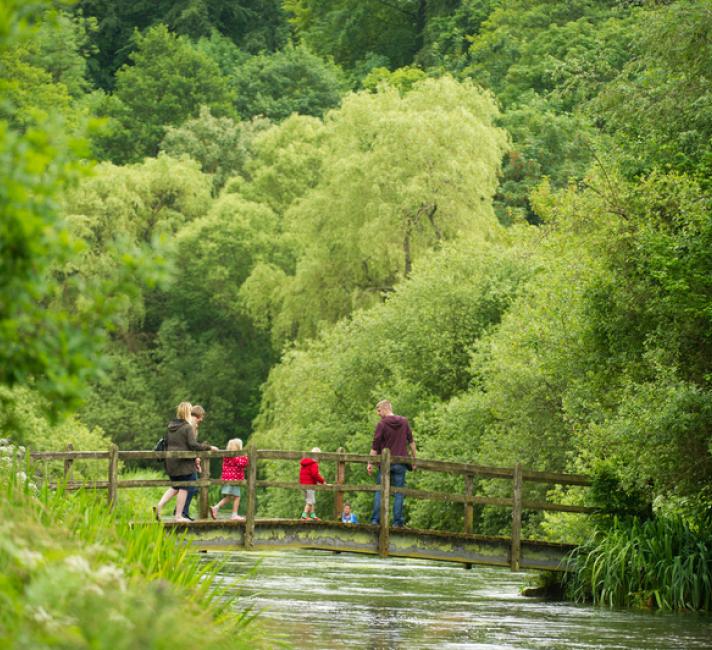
[392, 432]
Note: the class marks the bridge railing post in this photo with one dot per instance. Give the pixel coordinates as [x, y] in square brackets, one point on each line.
[469, 506]
[516, 553]
[383, 535]
[113, 475]
[204, 489]
[249, 539]
[469, 510]
[68, 462]
[339, 480]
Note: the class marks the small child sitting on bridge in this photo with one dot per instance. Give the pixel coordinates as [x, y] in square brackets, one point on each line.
[348, 517]
[309, 475]
[233, 469]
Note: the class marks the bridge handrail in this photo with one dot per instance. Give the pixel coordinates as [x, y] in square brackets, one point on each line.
[276, 454]
[469, 471]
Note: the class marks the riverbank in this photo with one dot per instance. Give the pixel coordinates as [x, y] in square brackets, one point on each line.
[76, 575]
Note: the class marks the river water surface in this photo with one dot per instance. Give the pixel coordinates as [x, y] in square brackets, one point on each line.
[320, 600]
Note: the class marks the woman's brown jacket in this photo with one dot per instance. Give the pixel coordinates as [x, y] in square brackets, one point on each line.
[181, 437]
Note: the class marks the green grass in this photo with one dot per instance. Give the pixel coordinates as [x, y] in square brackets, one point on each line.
[664, 562]
[74, 574]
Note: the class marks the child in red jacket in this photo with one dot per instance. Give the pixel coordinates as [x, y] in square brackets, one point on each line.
[233, 469]
[309, 475]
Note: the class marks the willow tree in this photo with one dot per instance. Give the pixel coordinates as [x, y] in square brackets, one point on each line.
[400, 174]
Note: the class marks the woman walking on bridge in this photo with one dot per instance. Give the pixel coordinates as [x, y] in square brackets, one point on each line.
[180, 437]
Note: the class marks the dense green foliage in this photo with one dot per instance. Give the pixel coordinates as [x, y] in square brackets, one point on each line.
[495, 213]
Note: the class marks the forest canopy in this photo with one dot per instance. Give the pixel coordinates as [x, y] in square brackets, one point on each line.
[496, 214]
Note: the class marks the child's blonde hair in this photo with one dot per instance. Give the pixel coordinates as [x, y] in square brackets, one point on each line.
[316, 450]
[234, 445]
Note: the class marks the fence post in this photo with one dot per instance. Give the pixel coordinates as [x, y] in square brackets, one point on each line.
[383, 541]
[516, 517]
[68, 462]
[113, 474]
[204, 489]
[339, 480]
[249, 539]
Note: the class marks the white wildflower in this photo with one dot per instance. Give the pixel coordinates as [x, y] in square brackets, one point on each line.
[29, 559]
[78, 563]
[93, 588]
[111, 574]
[41, 615]
[116, 617]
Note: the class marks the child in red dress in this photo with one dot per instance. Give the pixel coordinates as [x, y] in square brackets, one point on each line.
[233, 469]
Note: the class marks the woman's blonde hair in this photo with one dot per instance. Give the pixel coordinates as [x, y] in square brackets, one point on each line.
[183, 411]
[234, 445]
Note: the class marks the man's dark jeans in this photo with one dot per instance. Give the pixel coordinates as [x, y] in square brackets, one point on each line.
[397, 480]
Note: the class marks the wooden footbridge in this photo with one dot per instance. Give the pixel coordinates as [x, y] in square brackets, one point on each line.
[255, 533]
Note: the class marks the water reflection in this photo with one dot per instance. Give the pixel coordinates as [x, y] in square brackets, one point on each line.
[322, 600]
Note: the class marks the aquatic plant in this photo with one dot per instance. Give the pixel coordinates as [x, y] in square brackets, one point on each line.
[664, 562]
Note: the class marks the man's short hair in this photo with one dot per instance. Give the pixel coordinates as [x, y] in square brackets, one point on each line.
[383, 402]
[198, 411]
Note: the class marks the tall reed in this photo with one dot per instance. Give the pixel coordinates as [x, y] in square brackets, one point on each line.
[664, 562]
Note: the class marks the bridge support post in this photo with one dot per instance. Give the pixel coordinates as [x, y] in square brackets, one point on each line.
[113, 474]
[385, 514]
[249, 539]
[204, 489]
[516, 553]
[339, 480]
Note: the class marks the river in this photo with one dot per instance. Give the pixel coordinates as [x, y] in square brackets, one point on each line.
[320, 600]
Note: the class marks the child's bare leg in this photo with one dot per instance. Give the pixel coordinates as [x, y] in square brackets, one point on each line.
[167, 496]
[180, 502]
[235, 505]
[214, 509]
